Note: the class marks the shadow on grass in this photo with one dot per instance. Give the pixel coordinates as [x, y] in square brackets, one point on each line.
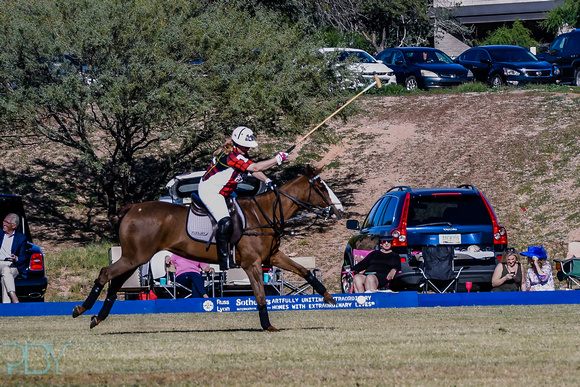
[211, 331]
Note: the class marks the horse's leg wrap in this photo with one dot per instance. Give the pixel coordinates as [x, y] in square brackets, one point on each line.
[95, 292]
[107, 305]
[315, 283]
[264, 319]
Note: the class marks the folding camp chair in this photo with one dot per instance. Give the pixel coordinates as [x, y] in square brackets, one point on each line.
[301, 287]
[134, 284]
[347, 276]
[569, 270]
[438, 269]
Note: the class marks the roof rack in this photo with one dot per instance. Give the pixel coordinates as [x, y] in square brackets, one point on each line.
[400, 188]
[468, 186]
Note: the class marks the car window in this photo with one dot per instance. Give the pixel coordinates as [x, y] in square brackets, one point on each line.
[457, 209]
[573, 44]
[512, 55]
[414, 56]
[440, 57]
[387, 216]
[386, 57]
[355, 56]
[374, 216]
[471, 55]
[398, 57]
[482, 55]
[559, 43]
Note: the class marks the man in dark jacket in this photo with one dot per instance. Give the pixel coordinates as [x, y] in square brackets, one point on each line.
[12, 257]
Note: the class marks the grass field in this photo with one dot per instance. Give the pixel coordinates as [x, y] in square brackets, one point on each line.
[499, 345]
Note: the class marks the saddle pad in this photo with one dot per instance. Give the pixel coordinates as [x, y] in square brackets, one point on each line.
[200, 227]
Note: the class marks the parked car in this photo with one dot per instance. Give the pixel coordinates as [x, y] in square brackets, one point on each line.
[33, 287]
[361, 64]
[461, 217]
[182, 186]
[69, 64]
[500, 65]
[424, 67]
[564, 54]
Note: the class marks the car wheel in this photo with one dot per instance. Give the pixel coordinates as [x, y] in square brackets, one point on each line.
[496, 81]
[577, 77]
[411, 83]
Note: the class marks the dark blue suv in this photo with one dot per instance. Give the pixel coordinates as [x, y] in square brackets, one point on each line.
[460, 217]
[564, 54]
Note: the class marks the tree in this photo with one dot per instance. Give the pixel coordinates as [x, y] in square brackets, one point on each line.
[517, 35]
[140, 90]
[563, 17]
[382, 23]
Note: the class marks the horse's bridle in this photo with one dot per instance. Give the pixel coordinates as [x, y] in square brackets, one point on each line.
[277, 224]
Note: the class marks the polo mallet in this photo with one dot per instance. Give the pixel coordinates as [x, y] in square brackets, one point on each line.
[376, 82]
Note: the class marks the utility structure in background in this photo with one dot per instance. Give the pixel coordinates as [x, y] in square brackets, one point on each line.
[488, 15]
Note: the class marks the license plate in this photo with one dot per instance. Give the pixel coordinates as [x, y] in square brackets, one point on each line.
[449, 239]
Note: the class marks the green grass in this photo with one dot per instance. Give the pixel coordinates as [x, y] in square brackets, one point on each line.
[72, 271]
[499, 345]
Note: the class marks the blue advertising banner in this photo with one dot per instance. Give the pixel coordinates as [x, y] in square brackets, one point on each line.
[302, 302]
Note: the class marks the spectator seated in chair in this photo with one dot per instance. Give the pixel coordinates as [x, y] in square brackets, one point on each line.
[539, 275]
[509, 275]
[188, 274]
[378, 268]
[13, 260]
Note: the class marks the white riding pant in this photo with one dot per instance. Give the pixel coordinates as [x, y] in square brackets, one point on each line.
[7, 274]
[214, 201]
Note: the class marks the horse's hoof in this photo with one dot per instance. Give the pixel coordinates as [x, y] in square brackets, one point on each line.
[328, 299]
[94, 321]
[78, 310]
[272, 329]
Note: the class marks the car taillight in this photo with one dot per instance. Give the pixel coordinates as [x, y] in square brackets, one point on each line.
[499, 232]
[499, 235]
[37, 262]
[400, 233]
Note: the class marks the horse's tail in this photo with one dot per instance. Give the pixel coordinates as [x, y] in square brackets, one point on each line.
[116, 219]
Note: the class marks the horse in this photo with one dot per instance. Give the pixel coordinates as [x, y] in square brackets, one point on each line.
[148, 227]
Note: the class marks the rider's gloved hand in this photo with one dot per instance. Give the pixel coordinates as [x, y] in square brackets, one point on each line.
[281, 156]
[271, 185]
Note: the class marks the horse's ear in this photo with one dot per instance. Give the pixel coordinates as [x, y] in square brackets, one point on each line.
[311, 172]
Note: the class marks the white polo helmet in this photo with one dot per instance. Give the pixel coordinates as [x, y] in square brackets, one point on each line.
[244, 136]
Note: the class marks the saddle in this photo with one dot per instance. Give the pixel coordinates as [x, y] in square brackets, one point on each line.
[202, 227]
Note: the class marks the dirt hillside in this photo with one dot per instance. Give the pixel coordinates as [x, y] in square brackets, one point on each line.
[519, 147]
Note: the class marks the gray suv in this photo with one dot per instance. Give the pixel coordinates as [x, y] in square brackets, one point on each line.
[564, 55]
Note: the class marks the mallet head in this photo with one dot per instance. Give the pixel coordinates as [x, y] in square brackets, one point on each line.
[378, 81]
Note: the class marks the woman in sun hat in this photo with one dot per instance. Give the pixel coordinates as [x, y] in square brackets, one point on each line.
[539, 276]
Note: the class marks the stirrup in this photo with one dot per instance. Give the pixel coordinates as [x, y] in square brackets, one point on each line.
[228, 263]
[232, 263]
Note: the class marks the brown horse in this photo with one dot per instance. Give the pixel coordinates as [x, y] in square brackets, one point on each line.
[147, 228]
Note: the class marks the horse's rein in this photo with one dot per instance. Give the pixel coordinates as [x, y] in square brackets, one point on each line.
[277, 225]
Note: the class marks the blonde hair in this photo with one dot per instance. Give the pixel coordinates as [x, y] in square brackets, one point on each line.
[227, 148]
[507, 252]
